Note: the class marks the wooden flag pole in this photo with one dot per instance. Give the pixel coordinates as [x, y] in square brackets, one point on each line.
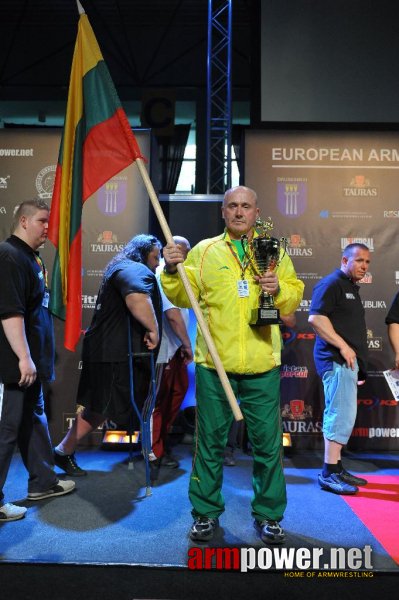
[194, 303]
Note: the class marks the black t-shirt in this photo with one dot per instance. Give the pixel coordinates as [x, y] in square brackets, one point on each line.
[22, 291]
[106, 340]
[393, 313]
[337, 298]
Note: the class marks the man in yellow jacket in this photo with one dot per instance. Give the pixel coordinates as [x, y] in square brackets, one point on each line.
[227, 289]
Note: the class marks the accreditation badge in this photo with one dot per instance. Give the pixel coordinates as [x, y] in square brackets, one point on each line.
[243, 288]
[46, 299]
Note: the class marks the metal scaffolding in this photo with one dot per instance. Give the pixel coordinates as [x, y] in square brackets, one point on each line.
[218, 134]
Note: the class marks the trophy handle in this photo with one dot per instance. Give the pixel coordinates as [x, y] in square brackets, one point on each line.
[284, 242]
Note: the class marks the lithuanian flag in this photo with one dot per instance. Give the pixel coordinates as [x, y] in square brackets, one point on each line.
[97, 143]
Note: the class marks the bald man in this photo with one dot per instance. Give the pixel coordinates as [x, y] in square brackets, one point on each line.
[227, 289]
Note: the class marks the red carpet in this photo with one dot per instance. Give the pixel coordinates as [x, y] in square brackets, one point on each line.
[377, 506]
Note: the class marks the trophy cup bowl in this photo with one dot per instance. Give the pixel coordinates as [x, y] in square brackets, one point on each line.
[263, 252]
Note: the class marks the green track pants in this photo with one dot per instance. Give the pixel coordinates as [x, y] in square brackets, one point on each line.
[259, 397]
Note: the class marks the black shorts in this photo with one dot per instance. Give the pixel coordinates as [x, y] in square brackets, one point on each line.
[104, 388]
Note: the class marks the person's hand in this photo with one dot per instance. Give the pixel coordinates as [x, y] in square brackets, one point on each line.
[349, 356]
[269, 283]
[172, 255]
[28, 371]
[151, 339]
[187, 354]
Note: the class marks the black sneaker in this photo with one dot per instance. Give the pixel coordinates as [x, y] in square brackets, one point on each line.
[352, 479]
[169, 461]
[67, 462]
[203, 528]
[270, 531]
[334, 483]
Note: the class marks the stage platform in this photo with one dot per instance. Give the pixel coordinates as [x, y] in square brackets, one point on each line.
[109, 540]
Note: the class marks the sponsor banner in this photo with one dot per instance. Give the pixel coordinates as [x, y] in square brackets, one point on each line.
[110, 219]
[324, 190]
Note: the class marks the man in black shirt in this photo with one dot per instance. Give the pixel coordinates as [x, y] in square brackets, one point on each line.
[128, 304]
[26, 357]
[340, 354]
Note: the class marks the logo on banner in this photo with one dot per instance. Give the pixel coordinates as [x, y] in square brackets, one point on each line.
[89, 301]
[111, 197]
[368, 278]
[94, 272]
[373, 343]
[107, 241]
[304, 306]
[290, 335]
[4, 182]
[374, 304]
[369, 242]
[297, 410]
[297, 246]
[309, 276]
[344, 214]
[291, 196]
[45, 182]
[289, 371]
[360, 187]
[375, 402]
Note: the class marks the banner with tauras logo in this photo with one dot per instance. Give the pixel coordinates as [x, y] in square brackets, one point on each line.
[324, 190]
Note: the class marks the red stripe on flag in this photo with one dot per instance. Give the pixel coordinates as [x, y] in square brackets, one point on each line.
[109, 147]
[73, 322]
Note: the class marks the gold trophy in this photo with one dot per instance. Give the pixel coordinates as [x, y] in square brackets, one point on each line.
[263, 252]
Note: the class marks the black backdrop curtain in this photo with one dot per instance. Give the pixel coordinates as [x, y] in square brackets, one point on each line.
[171, 153]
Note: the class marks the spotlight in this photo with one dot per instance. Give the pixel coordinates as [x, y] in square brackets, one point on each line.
[113, 438]
[287, 442]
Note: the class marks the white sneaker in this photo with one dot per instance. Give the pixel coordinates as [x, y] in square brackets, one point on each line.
[59, 489]
[11, 512]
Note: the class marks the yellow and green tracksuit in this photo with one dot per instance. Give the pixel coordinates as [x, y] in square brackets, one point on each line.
[251, 357]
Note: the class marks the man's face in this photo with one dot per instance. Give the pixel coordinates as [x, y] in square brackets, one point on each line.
[240, 212]
[357, 264]
[153, 259]
[36, 228]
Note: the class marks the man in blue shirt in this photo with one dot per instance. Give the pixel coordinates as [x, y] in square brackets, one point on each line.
[340, 354]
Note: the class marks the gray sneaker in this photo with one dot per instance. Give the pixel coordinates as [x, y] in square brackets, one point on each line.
[59, 489]
[11, 512]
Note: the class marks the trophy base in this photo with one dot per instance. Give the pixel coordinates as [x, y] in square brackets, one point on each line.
[265, 316]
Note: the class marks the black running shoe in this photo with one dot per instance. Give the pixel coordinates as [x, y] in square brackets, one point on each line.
[352, 479]
[67, 462]
[203, 528]
[169, 461]
[270, 531]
